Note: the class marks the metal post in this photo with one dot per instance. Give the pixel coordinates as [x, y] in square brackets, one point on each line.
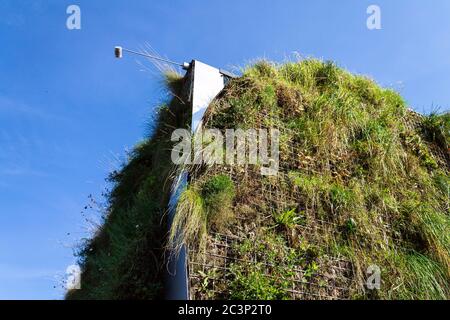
[207, 82]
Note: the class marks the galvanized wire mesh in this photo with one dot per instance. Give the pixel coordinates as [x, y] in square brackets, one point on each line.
[211, 273]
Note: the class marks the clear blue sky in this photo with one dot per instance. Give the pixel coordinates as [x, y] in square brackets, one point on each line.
[68, 109]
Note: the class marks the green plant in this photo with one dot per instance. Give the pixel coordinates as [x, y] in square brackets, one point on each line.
[200, 208]
[341, 196]
[189, 223]
[288, 218]
[426, 279]
[251, 283]
[218, 193]
[436, 128]
[207, 280]
[311, 270]
[350, 226]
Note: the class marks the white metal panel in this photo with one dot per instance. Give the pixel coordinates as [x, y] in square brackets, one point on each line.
[208, 82]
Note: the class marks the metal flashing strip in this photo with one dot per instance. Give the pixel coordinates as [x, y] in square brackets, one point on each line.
[207, 82]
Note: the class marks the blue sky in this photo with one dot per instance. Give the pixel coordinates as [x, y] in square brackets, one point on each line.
[69, 110]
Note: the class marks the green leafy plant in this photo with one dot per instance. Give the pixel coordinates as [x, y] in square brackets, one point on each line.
[288, 218]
